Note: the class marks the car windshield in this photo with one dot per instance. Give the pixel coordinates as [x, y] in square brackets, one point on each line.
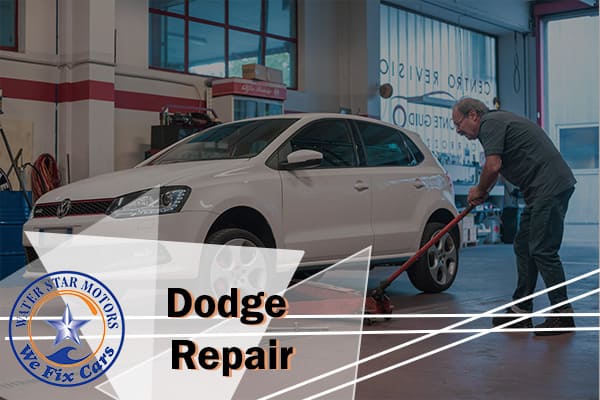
[243, 139]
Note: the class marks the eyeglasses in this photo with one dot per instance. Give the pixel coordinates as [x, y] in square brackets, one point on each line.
[457, 123]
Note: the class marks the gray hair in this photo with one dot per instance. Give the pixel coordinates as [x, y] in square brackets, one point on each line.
[467, 104]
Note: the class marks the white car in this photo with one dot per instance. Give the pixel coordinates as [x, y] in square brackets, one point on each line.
[328, 184]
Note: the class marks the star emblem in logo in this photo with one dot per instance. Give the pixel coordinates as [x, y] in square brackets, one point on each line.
[67, 327]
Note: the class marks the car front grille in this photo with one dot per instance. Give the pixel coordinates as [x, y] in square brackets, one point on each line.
[45, 210]
[78, 207]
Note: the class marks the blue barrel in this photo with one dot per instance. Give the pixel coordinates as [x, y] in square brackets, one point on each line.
[14, 212]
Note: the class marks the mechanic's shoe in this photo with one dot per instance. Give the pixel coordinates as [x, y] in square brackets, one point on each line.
[555, 322]
[526, 323]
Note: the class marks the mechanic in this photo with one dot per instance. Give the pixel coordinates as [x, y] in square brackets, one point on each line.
[525, 156]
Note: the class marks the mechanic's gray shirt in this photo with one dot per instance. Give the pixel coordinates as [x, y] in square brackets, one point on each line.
[529, 158]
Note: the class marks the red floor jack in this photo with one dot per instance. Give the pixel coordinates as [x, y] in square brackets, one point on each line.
[378, 302]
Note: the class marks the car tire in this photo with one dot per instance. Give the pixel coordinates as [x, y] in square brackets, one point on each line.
[237, 268]
[436, 270]
[234, 237]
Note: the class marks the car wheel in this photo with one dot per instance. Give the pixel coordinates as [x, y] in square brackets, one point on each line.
[239, 265]
[437, 268]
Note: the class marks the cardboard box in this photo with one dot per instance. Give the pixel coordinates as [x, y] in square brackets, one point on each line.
[261, 73]
[274, 75]
[255, 71]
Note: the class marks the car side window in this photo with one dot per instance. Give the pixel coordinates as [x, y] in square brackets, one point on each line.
[332, 138]
[385, 146]
[416, 153]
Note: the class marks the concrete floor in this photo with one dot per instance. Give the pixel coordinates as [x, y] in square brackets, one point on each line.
[493, 366]
[496, 365]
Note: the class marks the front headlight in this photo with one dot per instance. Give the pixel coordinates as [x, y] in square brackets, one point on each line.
[155, 201]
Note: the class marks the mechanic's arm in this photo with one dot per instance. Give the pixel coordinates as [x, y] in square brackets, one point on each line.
[487, 180]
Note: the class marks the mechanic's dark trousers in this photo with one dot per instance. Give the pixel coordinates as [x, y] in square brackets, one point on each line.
[536, 246]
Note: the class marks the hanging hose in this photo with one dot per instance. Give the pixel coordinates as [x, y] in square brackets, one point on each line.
[45, 176]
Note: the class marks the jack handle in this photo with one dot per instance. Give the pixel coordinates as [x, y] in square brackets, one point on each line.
[379, 291]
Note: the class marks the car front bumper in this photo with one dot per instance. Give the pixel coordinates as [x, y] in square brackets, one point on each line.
[185, 226]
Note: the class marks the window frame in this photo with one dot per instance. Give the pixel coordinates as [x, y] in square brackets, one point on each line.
[262, 33]
[426, 133]
[543, 13]
[16, 30]
[560, 127]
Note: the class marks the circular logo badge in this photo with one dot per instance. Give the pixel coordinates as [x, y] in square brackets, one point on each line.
[66, 328]
[64, 208]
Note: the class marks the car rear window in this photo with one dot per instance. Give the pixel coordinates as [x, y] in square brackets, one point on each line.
[385, 146]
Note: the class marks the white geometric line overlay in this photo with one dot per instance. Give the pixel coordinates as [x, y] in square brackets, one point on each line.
[446, 347]
[139, 273]
[325, 333]
[437, 332]
[349, 316]
[356, 264]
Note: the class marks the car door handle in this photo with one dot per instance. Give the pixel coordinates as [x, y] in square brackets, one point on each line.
[418, 183]
[360, 186]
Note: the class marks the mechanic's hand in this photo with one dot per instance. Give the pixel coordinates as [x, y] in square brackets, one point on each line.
[476, 196]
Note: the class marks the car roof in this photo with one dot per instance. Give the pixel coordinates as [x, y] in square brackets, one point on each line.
[315, 116]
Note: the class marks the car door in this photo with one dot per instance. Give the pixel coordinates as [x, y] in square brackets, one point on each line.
[398, 192]
[326, 210]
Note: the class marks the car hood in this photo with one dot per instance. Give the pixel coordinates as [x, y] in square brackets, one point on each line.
[127, 181]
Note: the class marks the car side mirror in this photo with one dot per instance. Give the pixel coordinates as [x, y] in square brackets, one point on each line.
[301, 159]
